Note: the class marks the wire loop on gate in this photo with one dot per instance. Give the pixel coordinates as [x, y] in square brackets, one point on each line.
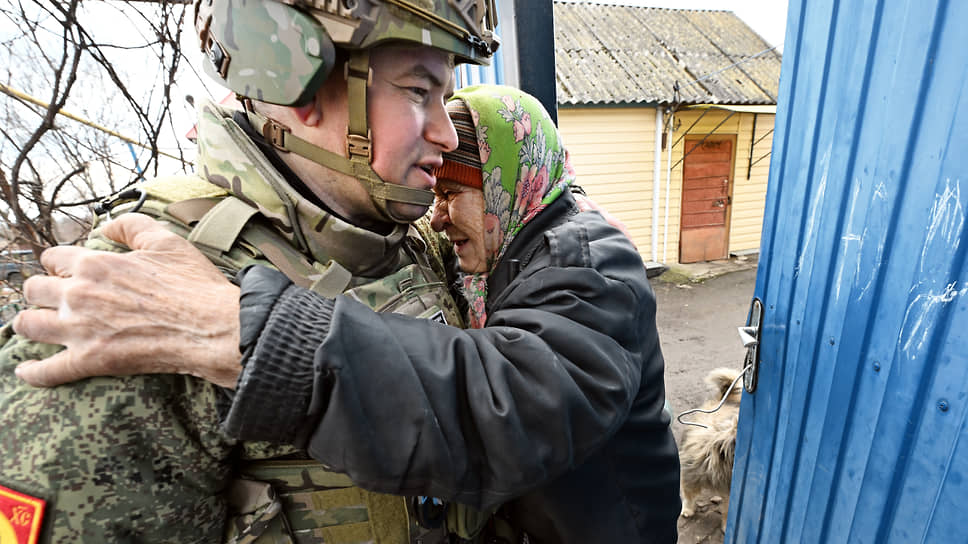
[718, 406]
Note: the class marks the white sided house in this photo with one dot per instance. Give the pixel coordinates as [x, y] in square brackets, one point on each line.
[633, 80]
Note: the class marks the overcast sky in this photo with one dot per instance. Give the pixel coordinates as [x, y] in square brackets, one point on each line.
[766, 17]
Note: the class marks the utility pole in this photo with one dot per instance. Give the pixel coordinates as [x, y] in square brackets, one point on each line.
[534, 27]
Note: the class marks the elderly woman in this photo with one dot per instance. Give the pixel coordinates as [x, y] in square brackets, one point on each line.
[550, 404]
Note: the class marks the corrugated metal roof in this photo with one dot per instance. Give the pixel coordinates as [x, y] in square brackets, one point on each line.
[608, 54]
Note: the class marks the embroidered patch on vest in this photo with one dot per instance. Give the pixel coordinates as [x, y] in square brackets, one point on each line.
[20, 517]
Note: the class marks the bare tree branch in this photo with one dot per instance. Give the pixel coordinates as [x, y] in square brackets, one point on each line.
[51, 170]
[58, 98]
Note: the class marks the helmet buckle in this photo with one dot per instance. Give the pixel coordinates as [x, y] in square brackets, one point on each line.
[218, 56]
[274, 133]
[358, 145]
[213, 50]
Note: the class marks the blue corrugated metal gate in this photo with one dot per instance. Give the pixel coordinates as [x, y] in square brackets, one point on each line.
[857, 432]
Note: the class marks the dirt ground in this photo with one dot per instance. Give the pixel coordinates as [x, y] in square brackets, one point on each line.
[697, 329]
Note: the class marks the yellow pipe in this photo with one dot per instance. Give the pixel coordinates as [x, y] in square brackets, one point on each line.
[27, 98]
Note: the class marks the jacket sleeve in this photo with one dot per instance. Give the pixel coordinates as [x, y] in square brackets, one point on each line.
[408, 406]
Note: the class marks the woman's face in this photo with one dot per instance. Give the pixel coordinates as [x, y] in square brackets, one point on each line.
[459, 213]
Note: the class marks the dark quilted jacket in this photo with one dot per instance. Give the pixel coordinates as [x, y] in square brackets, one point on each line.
[554, 408]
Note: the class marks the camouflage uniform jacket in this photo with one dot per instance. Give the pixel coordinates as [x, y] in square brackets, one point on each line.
[142, 458]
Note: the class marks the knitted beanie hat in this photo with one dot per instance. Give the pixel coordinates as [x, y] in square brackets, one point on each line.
[463, 165]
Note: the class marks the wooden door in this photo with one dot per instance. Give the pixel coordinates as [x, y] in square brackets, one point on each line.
[706, 184]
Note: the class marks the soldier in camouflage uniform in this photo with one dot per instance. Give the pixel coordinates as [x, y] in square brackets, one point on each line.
[293, 181]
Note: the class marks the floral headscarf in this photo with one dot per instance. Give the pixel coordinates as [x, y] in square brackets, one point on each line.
[525, 168]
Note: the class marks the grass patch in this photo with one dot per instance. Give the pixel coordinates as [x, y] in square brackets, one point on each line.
[677, 276]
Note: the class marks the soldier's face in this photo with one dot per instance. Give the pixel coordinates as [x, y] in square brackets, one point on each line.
[408, 118]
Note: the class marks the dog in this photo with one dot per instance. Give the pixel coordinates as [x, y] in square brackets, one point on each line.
[706, 454]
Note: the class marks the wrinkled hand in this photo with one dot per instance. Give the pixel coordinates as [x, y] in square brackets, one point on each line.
[161, 308]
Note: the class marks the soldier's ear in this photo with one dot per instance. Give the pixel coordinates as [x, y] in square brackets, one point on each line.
[311, 113]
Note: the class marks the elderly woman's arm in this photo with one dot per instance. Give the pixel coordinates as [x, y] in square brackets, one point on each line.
[413, 407]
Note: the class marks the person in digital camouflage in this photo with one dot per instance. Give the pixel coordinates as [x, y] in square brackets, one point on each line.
[319, 176]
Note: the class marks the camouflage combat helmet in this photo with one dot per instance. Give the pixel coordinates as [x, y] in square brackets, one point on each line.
[281, 52]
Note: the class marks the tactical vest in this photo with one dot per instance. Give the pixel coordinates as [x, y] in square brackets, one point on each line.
[290, 501]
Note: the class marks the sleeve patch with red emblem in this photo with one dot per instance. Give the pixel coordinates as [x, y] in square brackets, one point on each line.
[20, 517]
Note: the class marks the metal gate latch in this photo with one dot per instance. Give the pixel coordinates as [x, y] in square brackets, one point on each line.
[750, 335]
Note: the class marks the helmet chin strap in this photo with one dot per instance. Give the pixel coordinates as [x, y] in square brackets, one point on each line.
[358, 145]
[359, 77]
